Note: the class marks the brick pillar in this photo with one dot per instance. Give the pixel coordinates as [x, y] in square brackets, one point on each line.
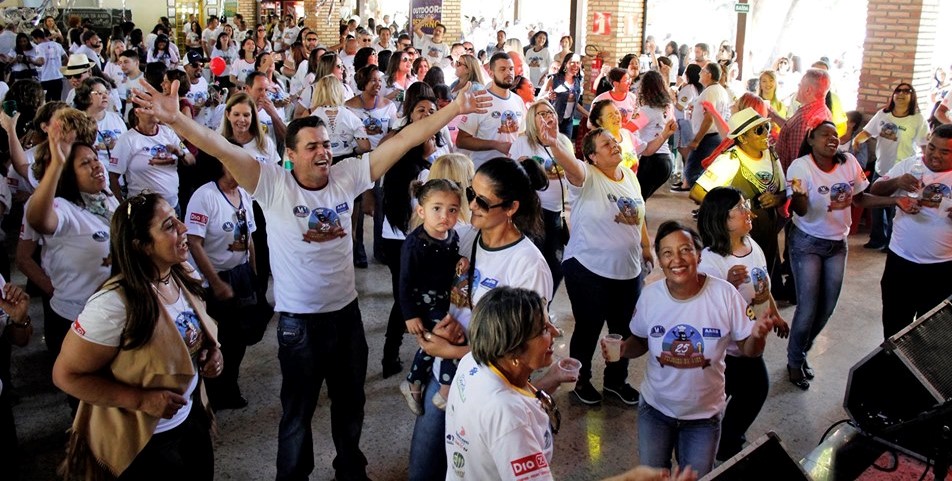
[625, 36]
[900, 41]
[323, 21]
[452, 18]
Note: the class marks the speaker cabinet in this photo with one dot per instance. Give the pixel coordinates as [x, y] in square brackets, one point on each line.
[765, 458]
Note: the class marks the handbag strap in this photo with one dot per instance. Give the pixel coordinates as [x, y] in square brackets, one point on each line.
[472, 268]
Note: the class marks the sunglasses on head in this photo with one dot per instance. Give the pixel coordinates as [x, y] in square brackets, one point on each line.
[555, 417]
[481, 201]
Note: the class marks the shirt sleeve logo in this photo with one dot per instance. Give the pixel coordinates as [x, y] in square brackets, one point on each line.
[196, 218]
[528, 464]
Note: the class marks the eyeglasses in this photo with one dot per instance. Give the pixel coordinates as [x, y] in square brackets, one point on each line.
[904, 91]
[481, 201]
[99, 92]
[743, 207]
[405, 59]
[555, 417]
[545, 114]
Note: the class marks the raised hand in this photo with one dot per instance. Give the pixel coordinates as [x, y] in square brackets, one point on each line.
[57, 143]
[9, 123]
[164, 106]
[470, 102]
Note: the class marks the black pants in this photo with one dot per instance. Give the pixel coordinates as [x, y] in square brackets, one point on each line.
[184, 452]
[225, 387]
[653, 172]
[910, 290]
[396, 324]
[9, 445]
[262, 251]
[595, 301]
[55, 328]
[357, 231]
[551, 246]
[746, 385]
[54, 89]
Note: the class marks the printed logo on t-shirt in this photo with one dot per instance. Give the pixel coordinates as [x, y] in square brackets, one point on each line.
[629, 210]
[683, 348]
[458, 464]
[341, 208]
[933, 194]
[78, 328]
[711, 332]
[889, 130]
[459, 439]
[459, 293]
[374, 126]
[106, 139]
[159, 155]
[100, 236]
[196, 218]
[190, 330]
[508, 121]
[228, 226]
[656, 331]
[529, 464]
[761, 280]
[321, 221]
[301, 211]
[489, 282]
[841, 196]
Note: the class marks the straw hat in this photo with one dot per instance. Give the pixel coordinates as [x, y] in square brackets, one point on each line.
[743, 121]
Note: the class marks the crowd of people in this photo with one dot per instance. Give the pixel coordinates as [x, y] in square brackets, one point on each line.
[160, 194]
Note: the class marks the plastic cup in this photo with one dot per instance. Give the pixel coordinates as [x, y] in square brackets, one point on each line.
[570, 367]
[613, 343]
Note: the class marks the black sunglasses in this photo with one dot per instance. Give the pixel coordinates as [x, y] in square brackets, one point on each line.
[762, 129]
[481, 202]
[555, 417]
[77, 75]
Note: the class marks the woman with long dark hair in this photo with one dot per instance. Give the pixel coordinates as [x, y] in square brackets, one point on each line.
[684, 99]
[901, 132]
[398, 78]
[565, 93]
[136, 355]
[162, 51]
[654, 104]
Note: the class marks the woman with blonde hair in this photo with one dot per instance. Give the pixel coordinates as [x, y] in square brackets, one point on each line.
[531, 144]
[467, 70]
[347, 134]
[767, 90]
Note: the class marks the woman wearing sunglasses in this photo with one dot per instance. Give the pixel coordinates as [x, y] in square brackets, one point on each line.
[220, 224]
[499, 421]
[497, 252]
[900, 131]
[752, 167]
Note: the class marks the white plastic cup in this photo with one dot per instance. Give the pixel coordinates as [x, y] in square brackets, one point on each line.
[613, 343]
[570, 367]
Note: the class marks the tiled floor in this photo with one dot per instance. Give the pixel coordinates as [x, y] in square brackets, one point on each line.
[594, 442]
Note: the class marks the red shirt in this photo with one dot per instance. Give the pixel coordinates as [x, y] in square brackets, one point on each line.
[795, 130]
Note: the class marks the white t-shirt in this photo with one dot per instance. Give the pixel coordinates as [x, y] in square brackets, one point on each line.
[538, 63]
[267, 156]
[146, 163]
[267, 125]
[517, 265]
[495, 430]
[110, 128]
[240, 68]
[896, 137]
[311, 277]
[290, 35]
[228, 55]
[377, 121]
[719, 98]
[657, 119]
[76, 256]
[925, 237]
[686, 97]
[504, 120]
[626, 106]
[127, 86]
[830, 195]
[434, 52]
[170, 58]
[113, 71]
[607, 248]
[52, 53]
[756, 288]
[343, 128]
[212, 217]
[687, 340]
[210, 36]
[16, 182]
[551, 197]
[299, 80]
[104, 318]
[198, 93]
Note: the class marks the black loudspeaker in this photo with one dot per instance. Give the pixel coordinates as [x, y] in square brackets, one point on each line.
[765, 458]
[900, 393]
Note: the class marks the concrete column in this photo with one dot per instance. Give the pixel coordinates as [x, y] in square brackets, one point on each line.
[899, 47]
[625, 36]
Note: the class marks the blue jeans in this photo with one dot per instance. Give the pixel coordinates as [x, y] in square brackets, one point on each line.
[818, 266]
[427, 448]
[313, 348]
[694, 442]
[692, 166]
